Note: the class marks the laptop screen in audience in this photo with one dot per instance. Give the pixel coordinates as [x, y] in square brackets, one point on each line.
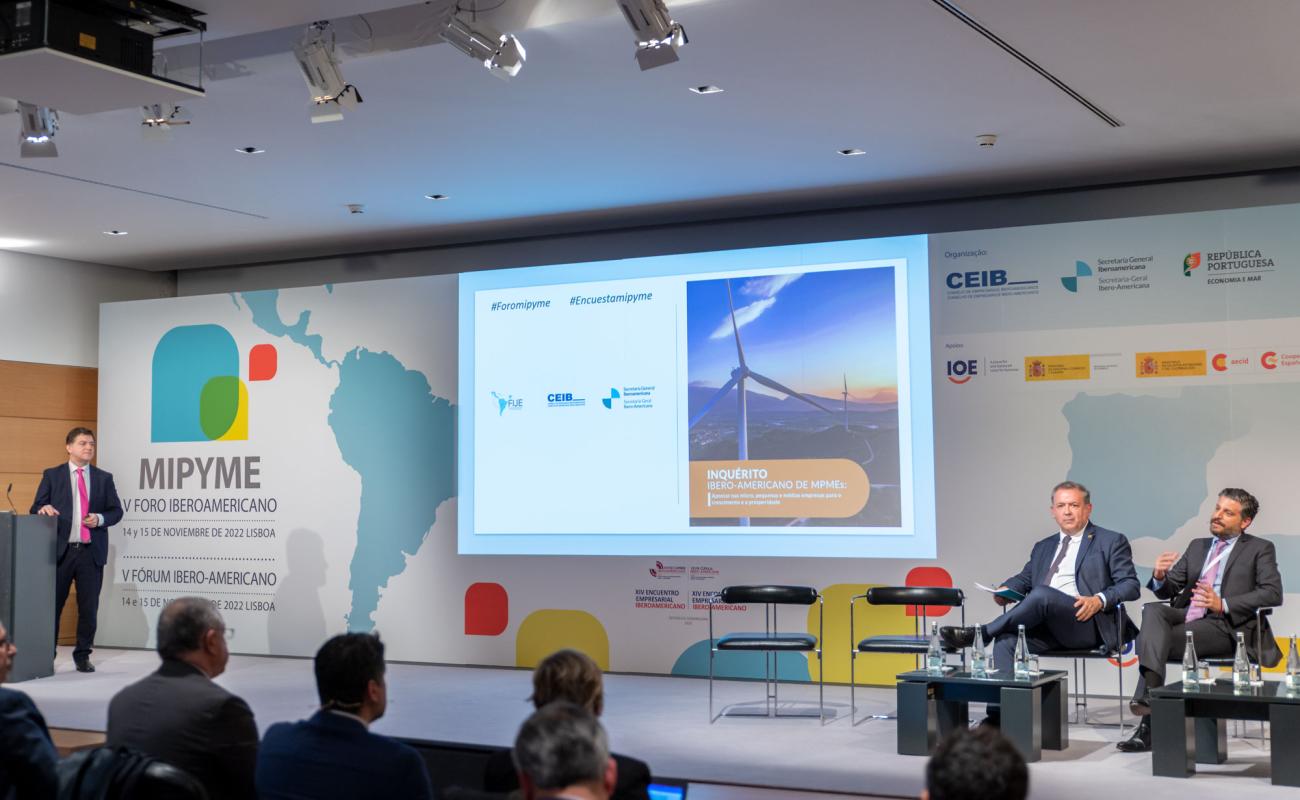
[663, 791]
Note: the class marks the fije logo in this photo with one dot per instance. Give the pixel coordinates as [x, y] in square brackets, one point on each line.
[1190, 262]
[509, 402]
[962, 370]
[1071, 282]
[197, 394]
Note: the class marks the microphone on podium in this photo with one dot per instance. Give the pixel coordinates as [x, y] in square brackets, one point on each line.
[9, 497]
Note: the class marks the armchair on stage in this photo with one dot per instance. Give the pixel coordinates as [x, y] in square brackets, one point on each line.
[770, 641]
[27, 570]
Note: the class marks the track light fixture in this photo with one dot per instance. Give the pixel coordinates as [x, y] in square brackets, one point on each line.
[658, 35]
[503, 55]
[330, 94]
[39, 124]
[161, 116]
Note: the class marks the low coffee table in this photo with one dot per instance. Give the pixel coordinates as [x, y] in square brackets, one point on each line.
[1033, 711]
[1188, 728]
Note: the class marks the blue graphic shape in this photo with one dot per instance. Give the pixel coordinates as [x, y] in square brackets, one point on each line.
[613, 395]
[266, 316]
[694, 662]
[1081, 270]
[184, 361]
[502, 402]
[400, 439]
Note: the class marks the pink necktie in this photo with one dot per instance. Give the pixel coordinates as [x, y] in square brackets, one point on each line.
[1196, 612]
[85, 504]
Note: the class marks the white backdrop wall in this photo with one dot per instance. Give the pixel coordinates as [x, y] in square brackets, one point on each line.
[51, 305]
[1154, 447]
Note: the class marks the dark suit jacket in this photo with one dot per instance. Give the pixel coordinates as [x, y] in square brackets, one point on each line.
[329, 756]
[1250, 581]
[56, 490]
[633, 776]
[180, 716]
[27, 756]
[1104, 566]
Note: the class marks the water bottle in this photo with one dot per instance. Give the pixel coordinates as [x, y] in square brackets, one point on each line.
[934, 656]
[1191, 678]
[979, 664]
[1292, 668]
[1021, 671]
[1240, 665]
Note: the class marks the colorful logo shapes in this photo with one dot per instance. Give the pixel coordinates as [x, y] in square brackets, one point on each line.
[197, 393]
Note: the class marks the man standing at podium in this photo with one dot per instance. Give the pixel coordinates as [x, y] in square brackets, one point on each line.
[85, 502]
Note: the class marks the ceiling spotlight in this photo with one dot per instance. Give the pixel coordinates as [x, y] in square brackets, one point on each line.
[249, 151]
[330, 94]
[435, 197]
[852, 151]
[657, 35]
[161, 116]
[986, 139]
[503, 55]
[707, 89]
[115, 232]
[39, 126]
[356, 208]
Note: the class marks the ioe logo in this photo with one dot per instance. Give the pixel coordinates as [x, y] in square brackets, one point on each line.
[962, 370]
[197, 393]
[971, 280]
[1191, 262]
[1269, 360]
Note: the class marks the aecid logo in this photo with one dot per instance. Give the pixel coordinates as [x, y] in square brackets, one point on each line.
[1268, 360]
[1219, 362]
[962, 370]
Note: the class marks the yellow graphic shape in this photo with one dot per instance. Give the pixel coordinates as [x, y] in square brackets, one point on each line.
[549, 629]
[239, 428]
[873, 669]
[1171, 364]
[1058, 368]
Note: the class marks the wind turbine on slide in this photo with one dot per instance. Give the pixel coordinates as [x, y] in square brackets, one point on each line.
[739, 375]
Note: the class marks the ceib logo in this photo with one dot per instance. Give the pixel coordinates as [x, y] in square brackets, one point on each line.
[1071, 282]
[197, 393]
[1269, 360]
[1190, 262]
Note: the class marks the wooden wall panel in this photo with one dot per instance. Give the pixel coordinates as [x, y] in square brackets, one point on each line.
[48, 391]
[30, 445]
[24, 490]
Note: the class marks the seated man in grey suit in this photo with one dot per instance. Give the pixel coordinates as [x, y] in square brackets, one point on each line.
[1213, 591]
[1071, 583]
[562, 753]
[179, 715]
[334, 754]
[27, 756]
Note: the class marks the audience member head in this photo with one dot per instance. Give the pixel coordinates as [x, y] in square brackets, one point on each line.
[978, 764]
[562, 750]
[569, 676]
[350, 675]
[7, 652]
[190, 629]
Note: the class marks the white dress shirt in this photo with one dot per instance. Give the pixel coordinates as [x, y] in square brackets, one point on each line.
[1063, 580]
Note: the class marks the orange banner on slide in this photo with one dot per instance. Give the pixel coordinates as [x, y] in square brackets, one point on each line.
[832, 488]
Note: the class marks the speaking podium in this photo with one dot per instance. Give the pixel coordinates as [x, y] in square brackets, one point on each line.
[27, 570]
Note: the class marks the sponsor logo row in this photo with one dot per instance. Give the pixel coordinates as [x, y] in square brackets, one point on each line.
[628, 397]
[1153, 364]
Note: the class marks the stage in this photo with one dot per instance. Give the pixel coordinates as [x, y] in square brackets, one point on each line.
[664, 720]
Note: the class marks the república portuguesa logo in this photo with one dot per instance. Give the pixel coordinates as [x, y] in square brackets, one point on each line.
[1191, 262]
[198, 395]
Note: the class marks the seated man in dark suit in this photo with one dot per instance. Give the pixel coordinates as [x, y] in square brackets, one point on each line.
[333, 754]
[178, 715]
[572, 677]
[562, 753]
[27, 756]
[1213, 591]
[1071, 583]
[976, 764]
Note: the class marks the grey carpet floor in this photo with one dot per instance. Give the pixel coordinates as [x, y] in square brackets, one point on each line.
[664, 721]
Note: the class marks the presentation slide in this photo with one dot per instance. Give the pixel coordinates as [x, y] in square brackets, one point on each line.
[772, 401]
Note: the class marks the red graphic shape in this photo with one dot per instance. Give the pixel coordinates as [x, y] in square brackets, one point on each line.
[262, 362]
[487, 609]
[928, 576]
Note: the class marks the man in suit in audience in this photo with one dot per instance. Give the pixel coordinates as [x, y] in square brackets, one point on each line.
[179, 715]
[562, 753]
[1213, 591]
[27, 756]
[334, 754]
[1071, 583]
[573, 677]
[976, 764]
[84, 500]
